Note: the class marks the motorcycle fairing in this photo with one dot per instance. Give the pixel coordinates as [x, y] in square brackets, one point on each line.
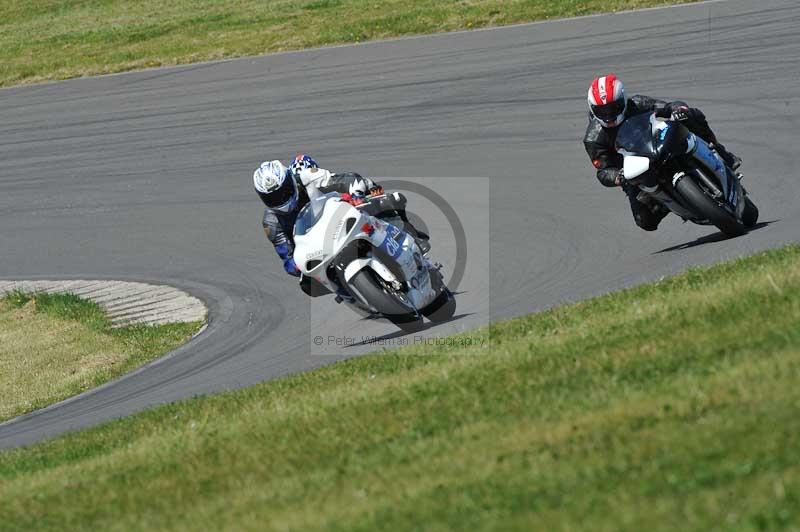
[731, 188]
[340, 225]
[393, 243]
[634, 166]
[703, 154]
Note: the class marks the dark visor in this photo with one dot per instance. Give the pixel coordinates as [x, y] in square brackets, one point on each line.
[284, 193]
[609, 111]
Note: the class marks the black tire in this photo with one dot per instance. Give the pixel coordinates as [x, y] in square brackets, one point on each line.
[750, 214]
[367, 284]
[442, 308]
[707, 208]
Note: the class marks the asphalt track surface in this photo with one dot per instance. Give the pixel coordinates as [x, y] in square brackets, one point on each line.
[147, 176]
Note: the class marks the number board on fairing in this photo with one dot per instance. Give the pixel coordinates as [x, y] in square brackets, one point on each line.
[392, 243]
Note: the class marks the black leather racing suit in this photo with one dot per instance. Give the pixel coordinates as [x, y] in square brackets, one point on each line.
[599, 143]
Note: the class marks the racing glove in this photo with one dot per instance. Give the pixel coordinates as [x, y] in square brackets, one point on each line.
[291, 267]
[679, 114]
[352, 199]
[620, 179]
[284, 251]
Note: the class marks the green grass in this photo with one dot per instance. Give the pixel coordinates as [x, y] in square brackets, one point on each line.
[54, 346]
[671, 406]
[58, 39]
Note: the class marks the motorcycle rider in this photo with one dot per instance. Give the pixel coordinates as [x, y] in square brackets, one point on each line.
[285, 191]
[609, 107]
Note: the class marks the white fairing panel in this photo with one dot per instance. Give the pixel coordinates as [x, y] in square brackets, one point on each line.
[377, 266]
[634, 166]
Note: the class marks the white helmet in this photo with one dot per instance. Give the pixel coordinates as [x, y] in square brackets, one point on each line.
[276, 186]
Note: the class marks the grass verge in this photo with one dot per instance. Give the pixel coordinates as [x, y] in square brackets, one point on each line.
[671, 406]
[58, 39]
[53, 346]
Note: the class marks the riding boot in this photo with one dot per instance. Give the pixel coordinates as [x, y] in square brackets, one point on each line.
[422, 238]
[396, 202]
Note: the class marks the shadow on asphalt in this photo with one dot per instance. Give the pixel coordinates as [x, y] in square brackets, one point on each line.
[400, 334]
[709, 239]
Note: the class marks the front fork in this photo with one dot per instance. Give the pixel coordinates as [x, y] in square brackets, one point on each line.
[706, 164]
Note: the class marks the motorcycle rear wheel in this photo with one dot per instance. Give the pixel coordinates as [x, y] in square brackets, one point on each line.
[367, 284]
[707, 208]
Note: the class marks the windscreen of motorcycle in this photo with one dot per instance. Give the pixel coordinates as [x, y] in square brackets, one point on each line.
[309, 215]
[635, 136]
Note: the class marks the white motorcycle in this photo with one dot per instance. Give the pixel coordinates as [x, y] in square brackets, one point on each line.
[369, 263]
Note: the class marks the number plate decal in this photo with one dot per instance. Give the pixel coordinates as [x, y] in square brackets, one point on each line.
[390, 244]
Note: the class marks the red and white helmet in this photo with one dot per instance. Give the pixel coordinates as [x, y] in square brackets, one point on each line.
[607, 100]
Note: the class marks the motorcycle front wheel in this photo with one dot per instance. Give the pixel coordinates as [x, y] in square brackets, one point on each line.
[750, 214]
[442, 308]
[707, 208]
[373, 290]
